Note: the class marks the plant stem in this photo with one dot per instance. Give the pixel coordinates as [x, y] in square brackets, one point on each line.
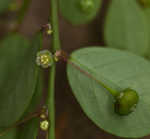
[51, 90]
[55, 29]
[51, 102]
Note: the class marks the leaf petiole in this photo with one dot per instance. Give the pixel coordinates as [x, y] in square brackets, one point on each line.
[61, 55]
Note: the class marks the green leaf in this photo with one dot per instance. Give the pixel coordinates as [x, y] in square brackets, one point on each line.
[147, 14]
[10, 134]
[37, 97]
[126, 27]
[79, 11]
[118, 70]
[4, 4]
[147, 18]
[30, 128]
[18, 73]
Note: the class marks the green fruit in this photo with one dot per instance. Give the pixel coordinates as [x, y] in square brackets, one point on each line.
[86, 6]
[145, 3]
[126, 102]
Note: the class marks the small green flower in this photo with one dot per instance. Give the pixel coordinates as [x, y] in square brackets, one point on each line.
[44, 59]
[44, 125]
[86, 6]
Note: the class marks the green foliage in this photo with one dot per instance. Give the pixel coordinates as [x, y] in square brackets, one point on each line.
[111, 86]
[18, 77]
[118, 70]
[147, 18]
[79, 11]
[126, 27]
[4, 4]
[144, 3]
[11, 134]
[30, 128]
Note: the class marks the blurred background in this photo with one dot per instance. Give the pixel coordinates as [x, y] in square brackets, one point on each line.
[71, 122]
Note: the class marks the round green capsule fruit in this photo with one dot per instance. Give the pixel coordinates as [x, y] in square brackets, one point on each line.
[145, 3]
[126, 102]
[86, 6]
[44, 59]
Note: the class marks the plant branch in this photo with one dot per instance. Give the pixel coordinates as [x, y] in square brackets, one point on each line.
[51, 90]
[51, 102]
[55, 28]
